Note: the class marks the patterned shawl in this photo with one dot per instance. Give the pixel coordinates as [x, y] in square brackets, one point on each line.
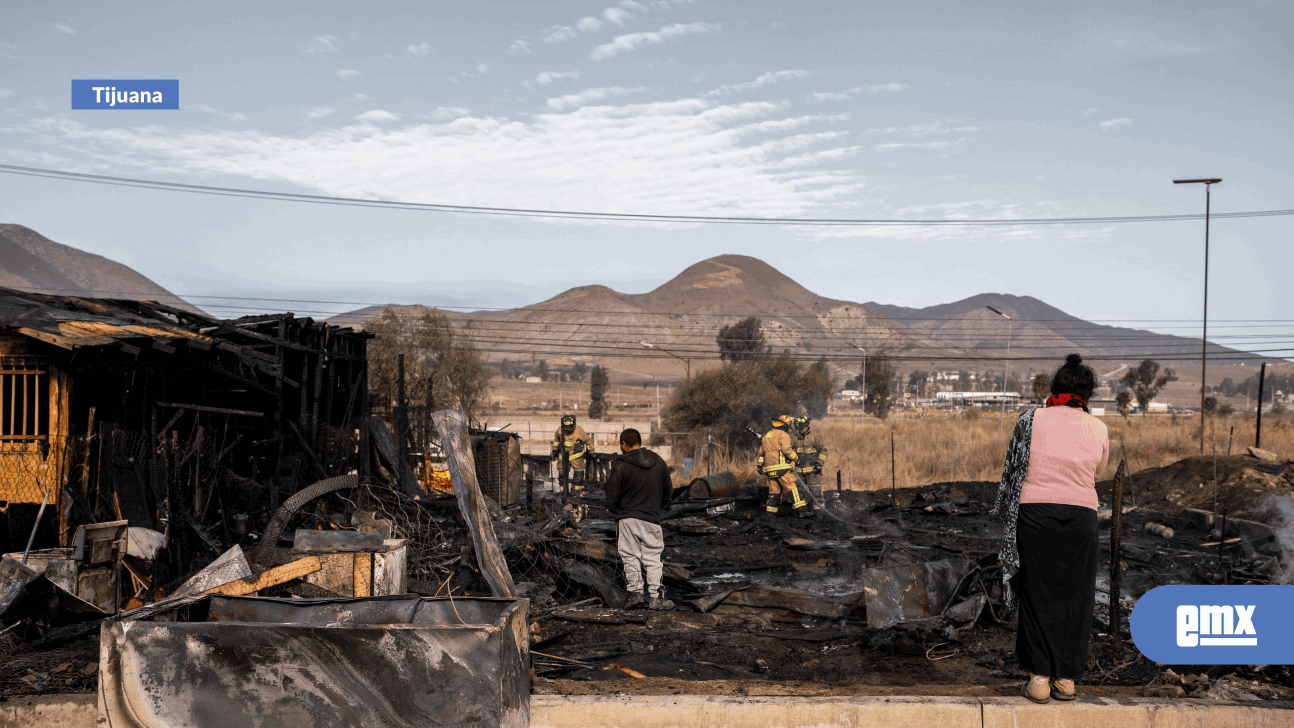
[1007, 505]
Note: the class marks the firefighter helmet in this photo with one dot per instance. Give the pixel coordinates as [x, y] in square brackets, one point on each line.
[802, 426]
[784, 421]
[568, 422]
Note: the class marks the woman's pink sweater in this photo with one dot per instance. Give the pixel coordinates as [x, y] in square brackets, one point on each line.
[1067, 447]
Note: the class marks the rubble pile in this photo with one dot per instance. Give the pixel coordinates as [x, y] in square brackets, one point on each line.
[898, 589]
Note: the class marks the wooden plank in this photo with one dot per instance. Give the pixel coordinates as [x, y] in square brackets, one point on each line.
[47, 338]
[269, 577]
[363, 574]
[454, 440]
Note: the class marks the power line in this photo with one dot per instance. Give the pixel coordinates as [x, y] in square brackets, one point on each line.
[605, 216]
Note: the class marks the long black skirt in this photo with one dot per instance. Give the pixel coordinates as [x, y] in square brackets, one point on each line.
[1056, 585]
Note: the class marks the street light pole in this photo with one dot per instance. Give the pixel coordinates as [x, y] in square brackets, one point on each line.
[1006, 370]
[685, 360]
[1204, 348]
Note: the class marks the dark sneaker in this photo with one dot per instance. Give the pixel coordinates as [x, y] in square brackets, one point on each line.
[660, 604]
[636, 601]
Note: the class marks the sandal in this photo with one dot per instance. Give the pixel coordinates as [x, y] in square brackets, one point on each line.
[1024, 690]
[1059, 694]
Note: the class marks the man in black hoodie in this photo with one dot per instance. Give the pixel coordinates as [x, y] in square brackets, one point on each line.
[638, 493]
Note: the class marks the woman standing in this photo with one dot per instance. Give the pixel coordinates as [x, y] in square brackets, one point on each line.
[1047, 500]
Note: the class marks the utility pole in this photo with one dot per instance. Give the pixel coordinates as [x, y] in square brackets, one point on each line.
[864, 382]
[1204, 349]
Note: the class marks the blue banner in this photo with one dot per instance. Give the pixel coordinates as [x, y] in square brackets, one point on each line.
[126, 94]
[1216, 625]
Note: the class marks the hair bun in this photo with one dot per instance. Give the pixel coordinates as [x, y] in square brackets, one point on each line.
[1073, 360]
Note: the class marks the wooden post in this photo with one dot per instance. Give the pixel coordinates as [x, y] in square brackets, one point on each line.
[1116, 551]
[894, 487]
[452, 428]
[837, 480]
[401, 421]
[1258, 434]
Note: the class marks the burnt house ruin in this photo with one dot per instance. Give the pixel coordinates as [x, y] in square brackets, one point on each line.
[194, 427]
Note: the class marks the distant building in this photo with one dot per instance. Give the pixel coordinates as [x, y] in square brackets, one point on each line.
[533, 380]
[977, 397]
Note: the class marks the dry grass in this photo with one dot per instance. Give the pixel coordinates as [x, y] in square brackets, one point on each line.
[941, 449]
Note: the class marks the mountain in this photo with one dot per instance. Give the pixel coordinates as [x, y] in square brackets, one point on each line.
[30, 261]
[683, 315]
[1037, 328]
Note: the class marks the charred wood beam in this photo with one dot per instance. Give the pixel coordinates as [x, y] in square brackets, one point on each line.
[214, 410]
[305, 448]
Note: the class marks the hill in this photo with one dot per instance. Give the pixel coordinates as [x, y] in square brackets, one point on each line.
[683, 315]
[1039, 329]
[30, 261]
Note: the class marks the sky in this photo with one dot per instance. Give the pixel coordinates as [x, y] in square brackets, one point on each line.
[915, 110]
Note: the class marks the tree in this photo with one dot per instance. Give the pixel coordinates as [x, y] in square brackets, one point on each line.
[1040, 385]
[578, 370]
[722, 403]
[435, 362]
[1145, 380]
[1210, 405]
[963, 381]
[880, 386]
[598, 393]
[1123, 401]
[540, 369]
[741, 341]
[917, 382]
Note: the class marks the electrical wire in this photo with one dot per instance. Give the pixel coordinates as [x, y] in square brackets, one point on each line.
[607, 216]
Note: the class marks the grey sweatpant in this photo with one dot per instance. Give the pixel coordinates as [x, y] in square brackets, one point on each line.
[640, 546]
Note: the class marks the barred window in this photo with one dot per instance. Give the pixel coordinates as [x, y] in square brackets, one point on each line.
[24, 400]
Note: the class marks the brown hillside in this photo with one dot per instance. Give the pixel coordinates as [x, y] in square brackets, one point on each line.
[683, 316]
[30, 261]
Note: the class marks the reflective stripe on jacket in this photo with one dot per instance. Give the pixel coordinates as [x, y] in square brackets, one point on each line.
[776, 454]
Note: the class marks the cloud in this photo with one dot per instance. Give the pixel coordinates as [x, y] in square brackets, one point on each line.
[631, 5]
[626, 43]
[323, 44]
[348, 74]
[616, 15]
[318, 112]
[547, 77]
[917, 146]
[683, 155]
[589, 25]
[212, 110]
[768, 78]
[1115, 124]
[6, 93]
[63, 29]
[446, 113]
[519, 47]
[378, 116]
[920, 130]
[483, 68]
[571, 101]
[418, 51]
[855, 91]
[560, 34]
[359, 98]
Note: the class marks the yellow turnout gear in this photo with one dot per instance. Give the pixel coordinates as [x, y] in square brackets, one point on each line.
[577, 444]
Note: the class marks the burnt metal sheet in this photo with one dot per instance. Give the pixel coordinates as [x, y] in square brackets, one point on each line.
[289, 663]
[904, 593]
[15, 576]
[310, 541]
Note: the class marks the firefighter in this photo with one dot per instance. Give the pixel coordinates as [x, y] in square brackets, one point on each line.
[578, 446]
[777, 461]
[811, 457]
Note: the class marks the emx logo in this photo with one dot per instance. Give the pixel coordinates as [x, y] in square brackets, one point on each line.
[1215, 625]
[1220, 623]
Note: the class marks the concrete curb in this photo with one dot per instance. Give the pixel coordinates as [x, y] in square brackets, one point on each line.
[710, 711]
[704, 711]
